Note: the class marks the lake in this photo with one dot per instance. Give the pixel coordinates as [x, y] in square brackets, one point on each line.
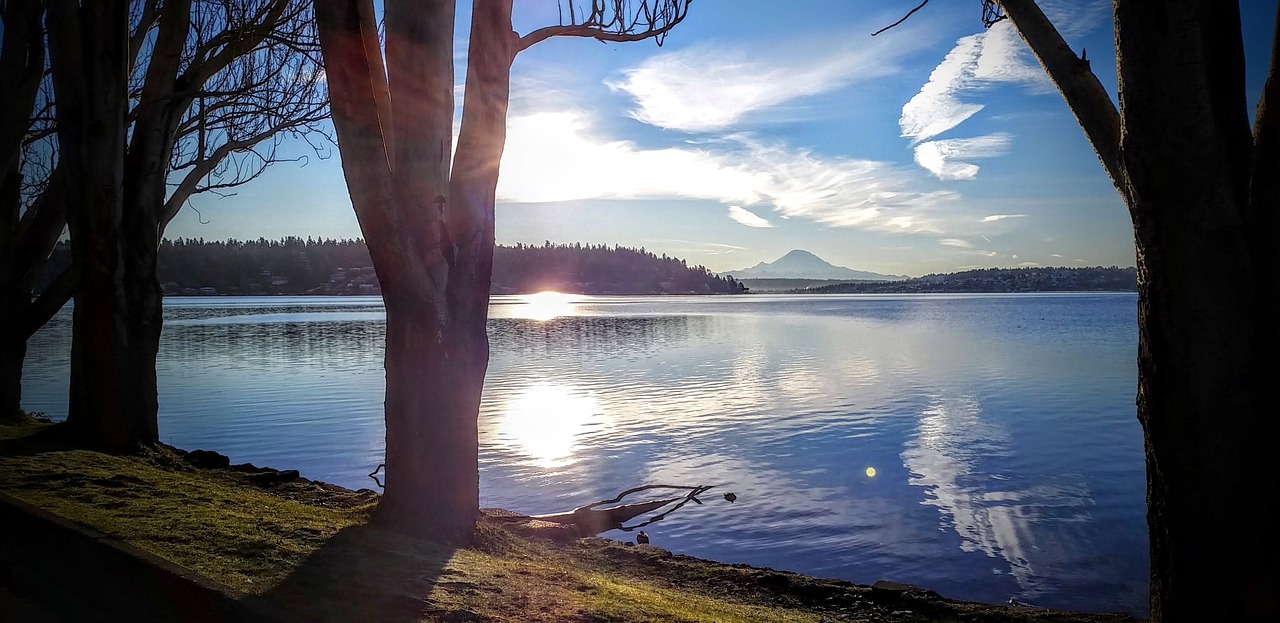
[983, 446]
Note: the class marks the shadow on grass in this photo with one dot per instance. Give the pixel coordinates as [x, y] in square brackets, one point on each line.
[28, 438]
[364, 573]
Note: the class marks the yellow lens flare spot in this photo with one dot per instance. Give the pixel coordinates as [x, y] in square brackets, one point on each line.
[871, 472]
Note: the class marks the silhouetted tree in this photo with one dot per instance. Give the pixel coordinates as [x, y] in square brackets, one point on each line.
[200, 92]
[1203, 192]
[28, 229]
[430, 227]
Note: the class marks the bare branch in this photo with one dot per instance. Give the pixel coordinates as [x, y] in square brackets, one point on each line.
[590, 519]
[616, 21]
[1085, 95]
[50, 301]
[992, 13]
[904, 18]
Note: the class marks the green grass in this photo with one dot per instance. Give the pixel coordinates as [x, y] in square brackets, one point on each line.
[204, 520]
[309, 550]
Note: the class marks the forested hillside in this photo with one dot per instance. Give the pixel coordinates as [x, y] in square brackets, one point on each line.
[308, 266]
[599, 269]
[1094, 279]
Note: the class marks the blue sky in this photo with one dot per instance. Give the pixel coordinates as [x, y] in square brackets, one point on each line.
[763, 126]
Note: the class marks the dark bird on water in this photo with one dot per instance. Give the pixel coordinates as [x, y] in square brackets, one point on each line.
[730, 496]
[641, 537]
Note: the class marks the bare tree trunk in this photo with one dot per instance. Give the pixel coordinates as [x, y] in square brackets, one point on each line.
[29, 249]
[399, 190]
[21, 65]
[1201, 398]
[435, 262]
[432, 442]
[1202, 195]
[13, 350]
[474, 181]
[89, 49]
[146, 168]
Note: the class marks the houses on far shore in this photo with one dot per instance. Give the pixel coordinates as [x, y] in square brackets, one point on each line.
[342, 281]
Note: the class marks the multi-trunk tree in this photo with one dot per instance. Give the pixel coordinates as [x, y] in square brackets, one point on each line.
[427, 215]
[32, 220]
[201, 92]
[1203, 192]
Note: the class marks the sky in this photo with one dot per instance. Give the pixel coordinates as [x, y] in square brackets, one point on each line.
[759, 127]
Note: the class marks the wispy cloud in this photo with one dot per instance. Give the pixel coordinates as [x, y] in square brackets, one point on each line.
[936, 108]
[1074, 18]
[554, 157]
[991, 218]
[978, 62]
[948, 159]
[747, 217]
[706, 88]
[991, 57]
[955, 242]
[697, 246]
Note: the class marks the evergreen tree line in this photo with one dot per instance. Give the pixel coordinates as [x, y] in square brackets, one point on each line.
[294, 265]
[1030, 279]
[601, 269]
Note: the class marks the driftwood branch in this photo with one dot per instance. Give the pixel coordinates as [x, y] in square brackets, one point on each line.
[591, 519]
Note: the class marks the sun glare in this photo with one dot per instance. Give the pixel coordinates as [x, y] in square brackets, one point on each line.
[544, 306]
[545, 422]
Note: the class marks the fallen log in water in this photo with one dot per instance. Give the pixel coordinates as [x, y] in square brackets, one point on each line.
[590, 519]
[596, 520]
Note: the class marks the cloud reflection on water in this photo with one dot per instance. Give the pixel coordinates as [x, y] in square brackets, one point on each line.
[991, 514]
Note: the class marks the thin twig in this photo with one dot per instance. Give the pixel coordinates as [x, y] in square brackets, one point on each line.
[904, 18]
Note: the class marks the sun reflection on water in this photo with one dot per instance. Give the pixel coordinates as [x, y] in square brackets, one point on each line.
[545, 421]
[544, 306]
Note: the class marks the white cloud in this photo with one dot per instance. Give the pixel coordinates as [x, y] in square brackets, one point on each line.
[991, 218]
[976, 63]
[747, 217]
[549, 157]
[552, 157]
[936, 108]
[705, 88]
[1074, 18]
[947, 159]
[996, 55]
[955, 242]
[1004, 57]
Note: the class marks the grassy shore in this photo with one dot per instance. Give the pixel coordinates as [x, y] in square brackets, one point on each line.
[307, 549]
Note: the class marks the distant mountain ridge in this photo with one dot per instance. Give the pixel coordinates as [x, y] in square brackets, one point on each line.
[801, 264]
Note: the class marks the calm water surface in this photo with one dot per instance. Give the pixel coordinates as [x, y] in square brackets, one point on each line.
[1007, 460]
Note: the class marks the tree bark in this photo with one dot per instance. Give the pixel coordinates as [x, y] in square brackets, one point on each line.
[89, 54]
[21, 66]
[146, 168]
[1201, 399]
[1201, 193]
[431, 232]
[13, 351]
[433, 393]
